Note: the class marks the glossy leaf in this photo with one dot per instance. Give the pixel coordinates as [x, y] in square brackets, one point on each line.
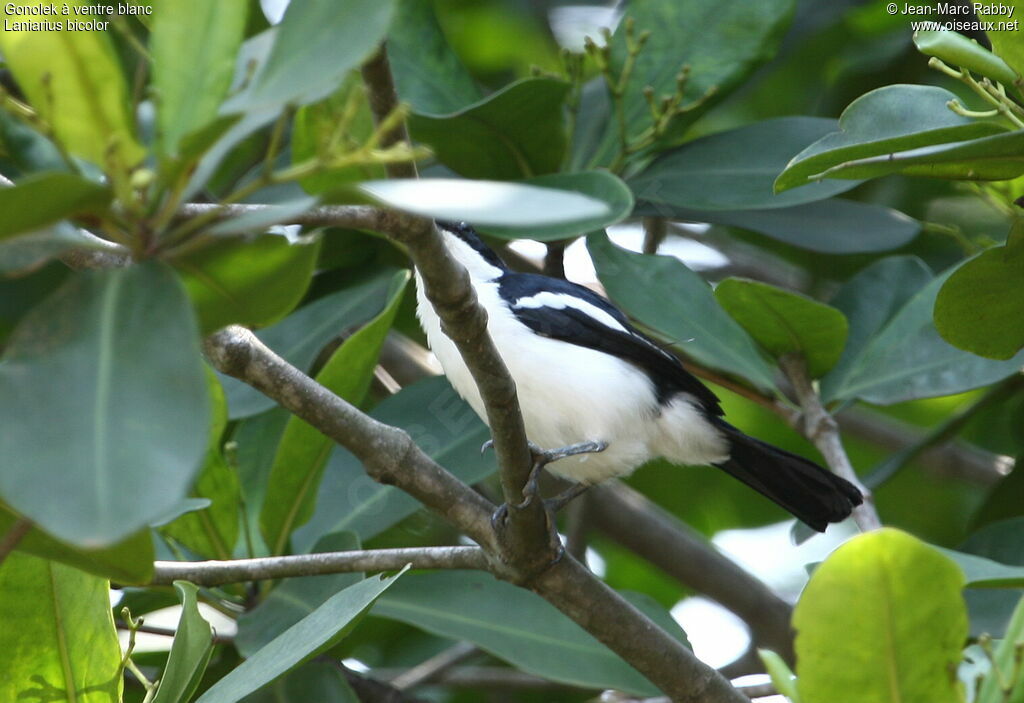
[883, 121]
[474, 606]
[994, 158]
[128, 561]
[517, 132]
[833, 226]
[247, 282]
[599, 185]
[74, 449]
[440, 422]
[303, 450]
[735, 169]
[294, 598]
[58, 635]
[190, 651]
[212, 530]
[315, 633]
[299, 337]
[46, 198]
[957, 50]
[662, 293]
[428, 74]
[865, 633]
[720, 54]
[783, 322]
[487, 203]
[74, 80]
[1006, 42]
[1007, 659]
[25, 253]
[895, 352]
[980, 307]
[193, 45]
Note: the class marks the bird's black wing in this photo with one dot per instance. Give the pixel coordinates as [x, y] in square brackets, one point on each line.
[544, 305]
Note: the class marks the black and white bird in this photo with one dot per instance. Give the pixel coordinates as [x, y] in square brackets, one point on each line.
[583, 373]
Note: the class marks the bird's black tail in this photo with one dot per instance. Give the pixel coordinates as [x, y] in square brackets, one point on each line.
[811, 493]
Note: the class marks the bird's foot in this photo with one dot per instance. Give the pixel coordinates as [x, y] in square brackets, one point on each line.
[553, 505]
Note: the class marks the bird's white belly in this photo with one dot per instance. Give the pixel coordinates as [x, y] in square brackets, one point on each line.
[571, 394]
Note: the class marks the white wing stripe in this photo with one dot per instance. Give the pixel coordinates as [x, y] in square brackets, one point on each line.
[560, 301]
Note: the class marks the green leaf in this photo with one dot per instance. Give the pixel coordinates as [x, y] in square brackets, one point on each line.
[662, 293]
[314, 46]
[26, 253]
[833, 226]
[299, 337]
[959, 51]
[58, 636]
[784, 323]
[303, 451]
[193, 46]
[517, 132]
[722, 41]
[294, 598]
[890, 119]
[782, 676]
[980, 307]
[981, 572]
[190, 651]
[428, 74]
[128, 561]
[212, 530]
[864, 631]
[1006, 42]
[73, 79]
[313, 681]
[540, 640]
[895, 353]
[599, 185]
[440, 422]
[735, 169]
[315, 633]
[73, 450]
[1007, 661]
[46, 198]
[995, 158]
[487, 204]
[251, 282]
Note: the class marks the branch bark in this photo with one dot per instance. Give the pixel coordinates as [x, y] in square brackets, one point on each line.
[218, 573]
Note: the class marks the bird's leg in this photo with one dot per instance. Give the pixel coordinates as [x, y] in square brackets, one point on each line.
[553, 505]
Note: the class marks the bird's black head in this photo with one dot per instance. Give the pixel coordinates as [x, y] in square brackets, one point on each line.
[469, 235]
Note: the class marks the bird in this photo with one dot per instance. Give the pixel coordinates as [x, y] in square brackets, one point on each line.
[605, 397]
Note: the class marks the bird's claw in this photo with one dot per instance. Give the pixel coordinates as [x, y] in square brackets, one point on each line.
[489, 444]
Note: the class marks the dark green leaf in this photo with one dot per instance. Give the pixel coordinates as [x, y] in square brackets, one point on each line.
[74, 449]
[487, 203]
[896, 354]
[722, 41]
[255, 440]
[29, 150]
[46, 198]
[190, 651]
[440, 422]
[864, 631]
[26, 253]
[886, 120]
[58, 639]
[516, 132]
[735, 169]
[248, 282]
[315, 633]
[193, 45]
[1000, 541]
[1006, 42]
[73, 79]
[784, 323]
[315, 681]
[980, 307]
[662, 293]
[303, 450]
[599, 185]
[299, 337]
[428, 74]
[128, 561]
[294, 598]
[833, 226]
[959, 51]
[474, 606]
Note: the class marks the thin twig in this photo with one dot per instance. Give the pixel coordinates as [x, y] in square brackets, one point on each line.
[13, 536]
[170, 632]
[433, 667]
[822, 430]
[218, 573]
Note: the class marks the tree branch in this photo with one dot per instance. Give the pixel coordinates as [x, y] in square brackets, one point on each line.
[218, 573]
[821, 429]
